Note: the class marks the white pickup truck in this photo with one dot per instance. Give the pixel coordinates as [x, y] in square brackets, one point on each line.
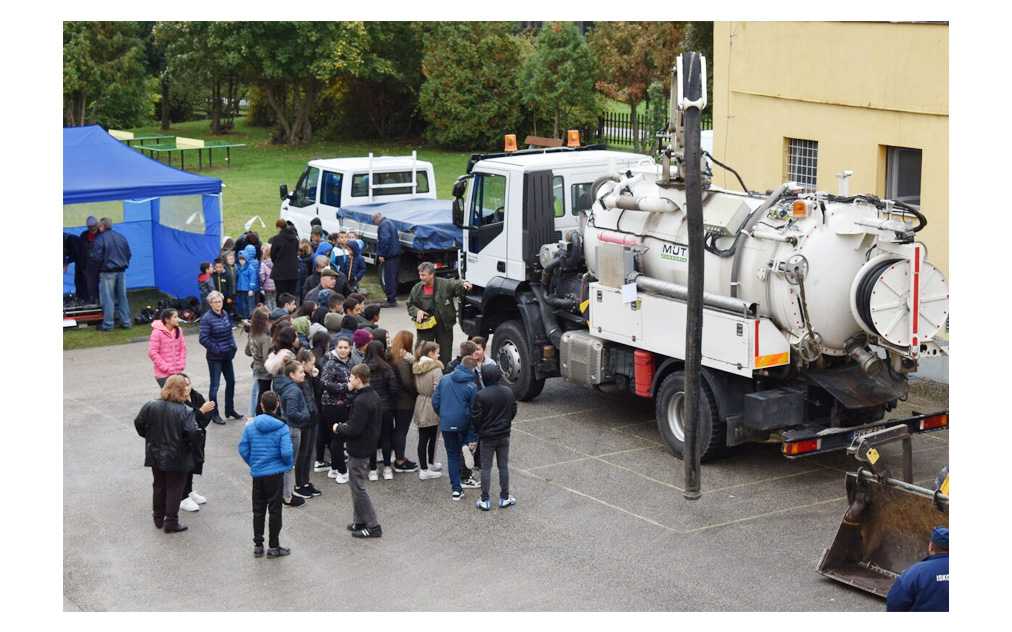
[347, 192]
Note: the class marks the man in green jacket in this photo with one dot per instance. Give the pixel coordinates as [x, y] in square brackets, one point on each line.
[434, 297]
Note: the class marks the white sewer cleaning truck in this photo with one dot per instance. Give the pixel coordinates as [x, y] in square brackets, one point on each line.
[817, 308]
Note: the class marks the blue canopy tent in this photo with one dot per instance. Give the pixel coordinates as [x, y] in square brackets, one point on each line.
[172, 219]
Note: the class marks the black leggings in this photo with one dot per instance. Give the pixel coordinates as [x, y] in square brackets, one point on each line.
[336, 415]
[427, 445]
[387, 437]
[264, 384]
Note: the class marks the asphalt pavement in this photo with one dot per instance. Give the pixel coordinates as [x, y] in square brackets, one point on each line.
[600, 522]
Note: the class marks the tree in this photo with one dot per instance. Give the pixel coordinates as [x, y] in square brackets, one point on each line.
[294, 62]
[205, 57]
[103, 73]
[382, 100]
[558, 78]
[470, 97]
[631, 56]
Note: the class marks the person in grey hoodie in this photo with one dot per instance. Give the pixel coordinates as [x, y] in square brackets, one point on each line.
[295, 413]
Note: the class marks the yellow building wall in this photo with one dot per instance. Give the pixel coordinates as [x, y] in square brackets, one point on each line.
[856, 88]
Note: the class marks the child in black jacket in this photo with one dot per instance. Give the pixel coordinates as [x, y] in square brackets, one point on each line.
[362, 431]
[492, 416]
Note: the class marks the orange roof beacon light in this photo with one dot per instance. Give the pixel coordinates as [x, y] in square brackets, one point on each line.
[511, 142]
[800, 208]
[573, 138]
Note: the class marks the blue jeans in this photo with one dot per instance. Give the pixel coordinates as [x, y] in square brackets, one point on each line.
[453, 441]
[112, 286]
[216, 368]
[389, 271]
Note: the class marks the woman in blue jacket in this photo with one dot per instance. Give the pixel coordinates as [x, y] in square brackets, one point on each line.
[216, 337]
[266, 447]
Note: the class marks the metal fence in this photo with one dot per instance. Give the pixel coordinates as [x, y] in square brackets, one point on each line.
[615, 128]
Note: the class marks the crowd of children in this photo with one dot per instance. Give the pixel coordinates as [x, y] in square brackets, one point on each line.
[327, 379]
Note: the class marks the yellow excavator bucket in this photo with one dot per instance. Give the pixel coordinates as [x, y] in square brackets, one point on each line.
[887, 526]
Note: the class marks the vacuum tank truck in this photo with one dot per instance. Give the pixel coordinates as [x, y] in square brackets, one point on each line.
[817, 308]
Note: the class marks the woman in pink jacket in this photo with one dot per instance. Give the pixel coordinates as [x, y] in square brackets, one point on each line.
[166, 348]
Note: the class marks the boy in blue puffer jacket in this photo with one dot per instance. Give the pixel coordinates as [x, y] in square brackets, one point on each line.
[266, 446]
[247, 285]
[452, 400]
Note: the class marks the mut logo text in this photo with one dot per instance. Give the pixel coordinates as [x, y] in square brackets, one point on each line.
[675, 252]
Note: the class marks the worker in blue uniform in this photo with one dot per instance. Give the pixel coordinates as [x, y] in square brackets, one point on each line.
[924, 587]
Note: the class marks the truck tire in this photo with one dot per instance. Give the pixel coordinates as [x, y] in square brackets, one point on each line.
[511, 351]
[710, 431]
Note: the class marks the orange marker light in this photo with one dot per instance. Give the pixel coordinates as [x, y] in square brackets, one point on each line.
[800, 209]
[573, 138]
[802, 447]
[511, 142]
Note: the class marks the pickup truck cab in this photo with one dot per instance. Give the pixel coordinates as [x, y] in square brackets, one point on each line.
[346, 192]
[327, 185]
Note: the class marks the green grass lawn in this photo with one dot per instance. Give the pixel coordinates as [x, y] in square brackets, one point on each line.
[257, 170]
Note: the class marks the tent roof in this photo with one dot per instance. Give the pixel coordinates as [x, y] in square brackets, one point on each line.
[99, 168]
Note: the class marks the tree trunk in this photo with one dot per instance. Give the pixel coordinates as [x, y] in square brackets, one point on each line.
[216, 108]
[165, 105]
[273, 91]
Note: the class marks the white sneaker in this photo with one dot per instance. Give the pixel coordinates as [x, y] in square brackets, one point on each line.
[189, 505]
[468, 457]
[427, 474]
[373, 475]
[436, 466]
[197, 498]
[388, 474]
[332, 474]
[341, 479]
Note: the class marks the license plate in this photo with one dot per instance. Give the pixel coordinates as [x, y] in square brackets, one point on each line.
[862, 432]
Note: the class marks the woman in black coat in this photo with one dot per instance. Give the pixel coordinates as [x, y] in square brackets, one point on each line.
[285, 255]
[169, 430]
[383, 379]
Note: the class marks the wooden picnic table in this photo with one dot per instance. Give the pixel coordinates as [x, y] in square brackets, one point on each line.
[183, 145]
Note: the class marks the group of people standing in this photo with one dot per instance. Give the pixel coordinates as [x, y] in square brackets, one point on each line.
[353, 392]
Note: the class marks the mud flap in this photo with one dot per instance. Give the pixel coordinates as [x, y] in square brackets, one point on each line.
[855, 389]
[884, 532]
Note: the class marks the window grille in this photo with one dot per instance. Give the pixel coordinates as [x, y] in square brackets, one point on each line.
[802, 162]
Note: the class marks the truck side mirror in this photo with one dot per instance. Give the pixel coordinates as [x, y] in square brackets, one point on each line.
[459, 187]
[284, 191]
[458, 212]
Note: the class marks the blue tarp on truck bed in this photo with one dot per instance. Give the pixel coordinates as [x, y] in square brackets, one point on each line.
[431, 221]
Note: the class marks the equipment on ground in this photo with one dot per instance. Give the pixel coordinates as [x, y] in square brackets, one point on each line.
[886, 527]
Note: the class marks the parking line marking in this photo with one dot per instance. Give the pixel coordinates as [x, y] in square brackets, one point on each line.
[765, 480]
[599, 457]
[770, 513]
[574, 412]
[598, 500]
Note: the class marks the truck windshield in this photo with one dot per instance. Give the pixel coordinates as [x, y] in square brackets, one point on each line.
[305, 192]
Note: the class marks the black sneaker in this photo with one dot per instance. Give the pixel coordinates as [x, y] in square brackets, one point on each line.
[308, 487]
[321, 466]
[302, 492]
[278, 552]
[218, 420]
[407, 466]
[258, 551]
[355, 526]
[297, 501]
[368, 532]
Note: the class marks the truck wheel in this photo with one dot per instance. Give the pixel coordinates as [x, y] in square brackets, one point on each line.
[671, 421]
[510, 350]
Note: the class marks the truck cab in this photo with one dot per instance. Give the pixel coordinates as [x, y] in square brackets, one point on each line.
[328, 185]
[492, 207]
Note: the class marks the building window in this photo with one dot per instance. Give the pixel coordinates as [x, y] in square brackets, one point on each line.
[802, 162]
[903, 175]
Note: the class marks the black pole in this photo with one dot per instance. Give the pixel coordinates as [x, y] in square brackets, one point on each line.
[692, 89]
